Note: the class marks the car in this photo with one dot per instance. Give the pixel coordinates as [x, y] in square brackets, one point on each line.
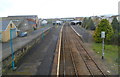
[22, 34]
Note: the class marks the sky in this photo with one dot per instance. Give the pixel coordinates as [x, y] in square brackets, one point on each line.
[58, 8]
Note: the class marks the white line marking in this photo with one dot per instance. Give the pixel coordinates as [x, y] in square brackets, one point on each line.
[58, 66]
[76, 32]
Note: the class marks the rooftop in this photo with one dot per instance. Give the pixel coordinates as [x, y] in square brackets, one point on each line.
[4, 24]
[24, 16]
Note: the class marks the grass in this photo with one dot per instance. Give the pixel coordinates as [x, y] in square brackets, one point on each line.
[111, 52]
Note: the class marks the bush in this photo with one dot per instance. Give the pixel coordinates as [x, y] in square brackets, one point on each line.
[103, 26]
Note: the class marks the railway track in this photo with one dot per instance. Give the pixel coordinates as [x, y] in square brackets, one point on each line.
[90, 63]
[74, 59]
[67, 64]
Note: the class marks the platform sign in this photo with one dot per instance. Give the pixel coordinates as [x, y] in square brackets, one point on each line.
[102, 34]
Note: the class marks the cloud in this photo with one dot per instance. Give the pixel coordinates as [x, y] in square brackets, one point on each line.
[4, 4]
[58, 8]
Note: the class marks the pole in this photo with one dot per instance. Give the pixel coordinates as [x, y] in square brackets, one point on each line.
[43, 35]
[12, 51]
[103, 48]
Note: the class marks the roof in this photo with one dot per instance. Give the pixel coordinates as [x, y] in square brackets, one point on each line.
[44, 21]
[29, 19]
[58, 21]
[31, 22]
[24, 16]
[4, 24]
[17, 22]
[76, 21]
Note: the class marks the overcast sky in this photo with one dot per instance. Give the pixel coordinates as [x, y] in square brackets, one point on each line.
[58, 8]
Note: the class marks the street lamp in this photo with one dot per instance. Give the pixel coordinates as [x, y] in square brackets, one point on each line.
[11, 47]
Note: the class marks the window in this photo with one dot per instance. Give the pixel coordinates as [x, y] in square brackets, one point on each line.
[11, 25]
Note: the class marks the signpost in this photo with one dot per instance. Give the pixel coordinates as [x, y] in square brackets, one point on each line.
[102, 36]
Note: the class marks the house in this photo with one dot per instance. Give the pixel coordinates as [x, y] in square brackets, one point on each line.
[79, 18]
[28, 22]
[32, 24]
[5, 30]
[119, 11]
[96, 20]
[118, 18]
[110, 19]
[17, 23]
[34, 17]
[24, 23]
[44, 22]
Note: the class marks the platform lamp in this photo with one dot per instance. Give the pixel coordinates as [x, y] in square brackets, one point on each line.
[11, 47]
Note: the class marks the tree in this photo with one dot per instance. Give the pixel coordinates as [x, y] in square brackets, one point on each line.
[119, 35]
[84, 22]
[90, 24]
[103, 26]
[115, 25]
[96, 21]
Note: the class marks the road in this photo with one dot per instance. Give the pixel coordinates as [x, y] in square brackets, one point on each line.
[38, 61]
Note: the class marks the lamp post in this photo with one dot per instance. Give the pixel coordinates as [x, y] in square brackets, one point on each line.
[42, 34]
[12, 50]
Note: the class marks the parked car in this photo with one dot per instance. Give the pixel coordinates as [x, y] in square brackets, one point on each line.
[22, 34]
